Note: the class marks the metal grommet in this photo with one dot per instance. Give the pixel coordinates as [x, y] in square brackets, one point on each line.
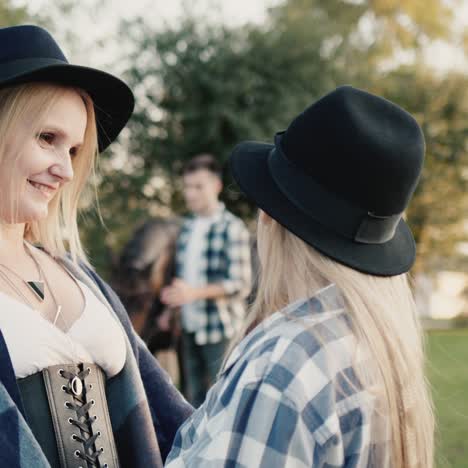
[77, 453]
[60, 372]
[76, 386]
[89, 370]
[73, 437]
[99, 433]
[70, 421]
[90, 386]
[64, 389]
[93, 402]
[67, 405]
[102, 449]
[95, 418]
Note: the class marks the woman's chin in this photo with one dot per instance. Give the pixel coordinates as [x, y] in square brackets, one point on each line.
[31, 216]
[35, 217]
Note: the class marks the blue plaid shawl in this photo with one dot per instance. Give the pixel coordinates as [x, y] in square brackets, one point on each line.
[145, 408]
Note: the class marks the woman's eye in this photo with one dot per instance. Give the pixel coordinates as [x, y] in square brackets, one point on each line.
[47, 138]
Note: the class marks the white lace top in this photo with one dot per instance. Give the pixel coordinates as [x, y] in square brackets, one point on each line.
[34, 343]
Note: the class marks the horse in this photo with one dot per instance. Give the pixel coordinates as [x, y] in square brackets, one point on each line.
[145, 266]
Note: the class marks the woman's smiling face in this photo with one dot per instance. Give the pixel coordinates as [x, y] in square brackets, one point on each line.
[44, 164]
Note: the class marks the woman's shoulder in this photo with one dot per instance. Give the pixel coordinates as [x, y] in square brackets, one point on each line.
[302, 343]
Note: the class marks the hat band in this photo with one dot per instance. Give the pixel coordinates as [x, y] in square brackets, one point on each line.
[326, 208]
[37, 61]
[16, 68]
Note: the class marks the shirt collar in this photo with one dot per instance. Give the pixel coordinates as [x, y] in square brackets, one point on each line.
[216, 216]
[326, 299]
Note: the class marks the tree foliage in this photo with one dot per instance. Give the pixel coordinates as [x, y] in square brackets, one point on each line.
[438, 212]
[11, 15]
[204, 87]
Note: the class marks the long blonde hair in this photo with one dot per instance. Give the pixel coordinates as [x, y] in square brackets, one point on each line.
[383, 317]
[31, 102]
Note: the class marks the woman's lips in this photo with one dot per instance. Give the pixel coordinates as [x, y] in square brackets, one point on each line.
[44, 189]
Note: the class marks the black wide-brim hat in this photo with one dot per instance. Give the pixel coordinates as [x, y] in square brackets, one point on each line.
[340, 178]
[29, 53]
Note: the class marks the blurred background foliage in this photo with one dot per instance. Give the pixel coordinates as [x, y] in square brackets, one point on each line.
[11, 14]
[202, 86]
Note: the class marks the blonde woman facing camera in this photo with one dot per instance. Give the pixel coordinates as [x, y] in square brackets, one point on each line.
[77, 387]
[329, 369]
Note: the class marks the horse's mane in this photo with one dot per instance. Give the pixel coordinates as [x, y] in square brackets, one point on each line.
[149, 241]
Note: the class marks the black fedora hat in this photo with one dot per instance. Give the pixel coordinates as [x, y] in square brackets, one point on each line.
[340, 178]
[29, 53]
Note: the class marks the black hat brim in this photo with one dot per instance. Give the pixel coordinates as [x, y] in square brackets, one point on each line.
[113, 99]
[249, 167]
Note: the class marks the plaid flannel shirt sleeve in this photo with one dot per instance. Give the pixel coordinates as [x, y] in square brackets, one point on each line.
[263, 428]
[237, 251]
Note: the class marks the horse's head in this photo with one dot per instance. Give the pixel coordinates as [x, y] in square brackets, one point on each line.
[146, 264]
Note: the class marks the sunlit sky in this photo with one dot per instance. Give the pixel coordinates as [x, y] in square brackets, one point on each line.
[103, 23]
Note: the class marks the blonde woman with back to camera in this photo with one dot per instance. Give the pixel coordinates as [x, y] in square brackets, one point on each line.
[329, 370]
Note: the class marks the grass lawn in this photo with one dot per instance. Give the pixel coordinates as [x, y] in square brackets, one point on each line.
[448, 374]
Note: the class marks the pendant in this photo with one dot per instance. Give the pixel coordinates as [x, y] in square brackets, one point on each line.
[37, 287]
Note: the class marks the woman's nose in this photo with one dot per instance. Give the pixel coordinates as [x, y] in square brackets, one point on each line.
[63, 167]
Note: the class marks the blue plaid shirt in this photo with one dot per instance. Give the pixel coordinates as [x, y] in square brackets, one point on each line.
[225, 260]
[287, 397]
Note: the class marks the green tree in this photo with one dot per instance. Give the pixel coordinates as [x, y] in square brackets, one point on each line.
[204, 87]
[12, 15]
[438, 213]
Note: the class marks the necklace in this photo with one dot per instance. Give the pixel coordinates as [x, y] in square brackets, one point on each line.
[58, 307]
[37, 287]
[15, 288]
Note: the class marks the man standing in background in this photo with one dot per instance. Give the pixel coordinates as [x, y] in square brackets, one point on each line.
[213, 276]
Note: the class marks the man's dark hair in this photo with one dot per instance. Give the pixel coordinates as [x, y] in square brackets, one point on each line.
[203, 161]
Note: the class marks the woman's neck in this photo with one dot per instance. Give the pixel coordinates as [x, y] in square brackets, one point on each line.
[11, 240]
